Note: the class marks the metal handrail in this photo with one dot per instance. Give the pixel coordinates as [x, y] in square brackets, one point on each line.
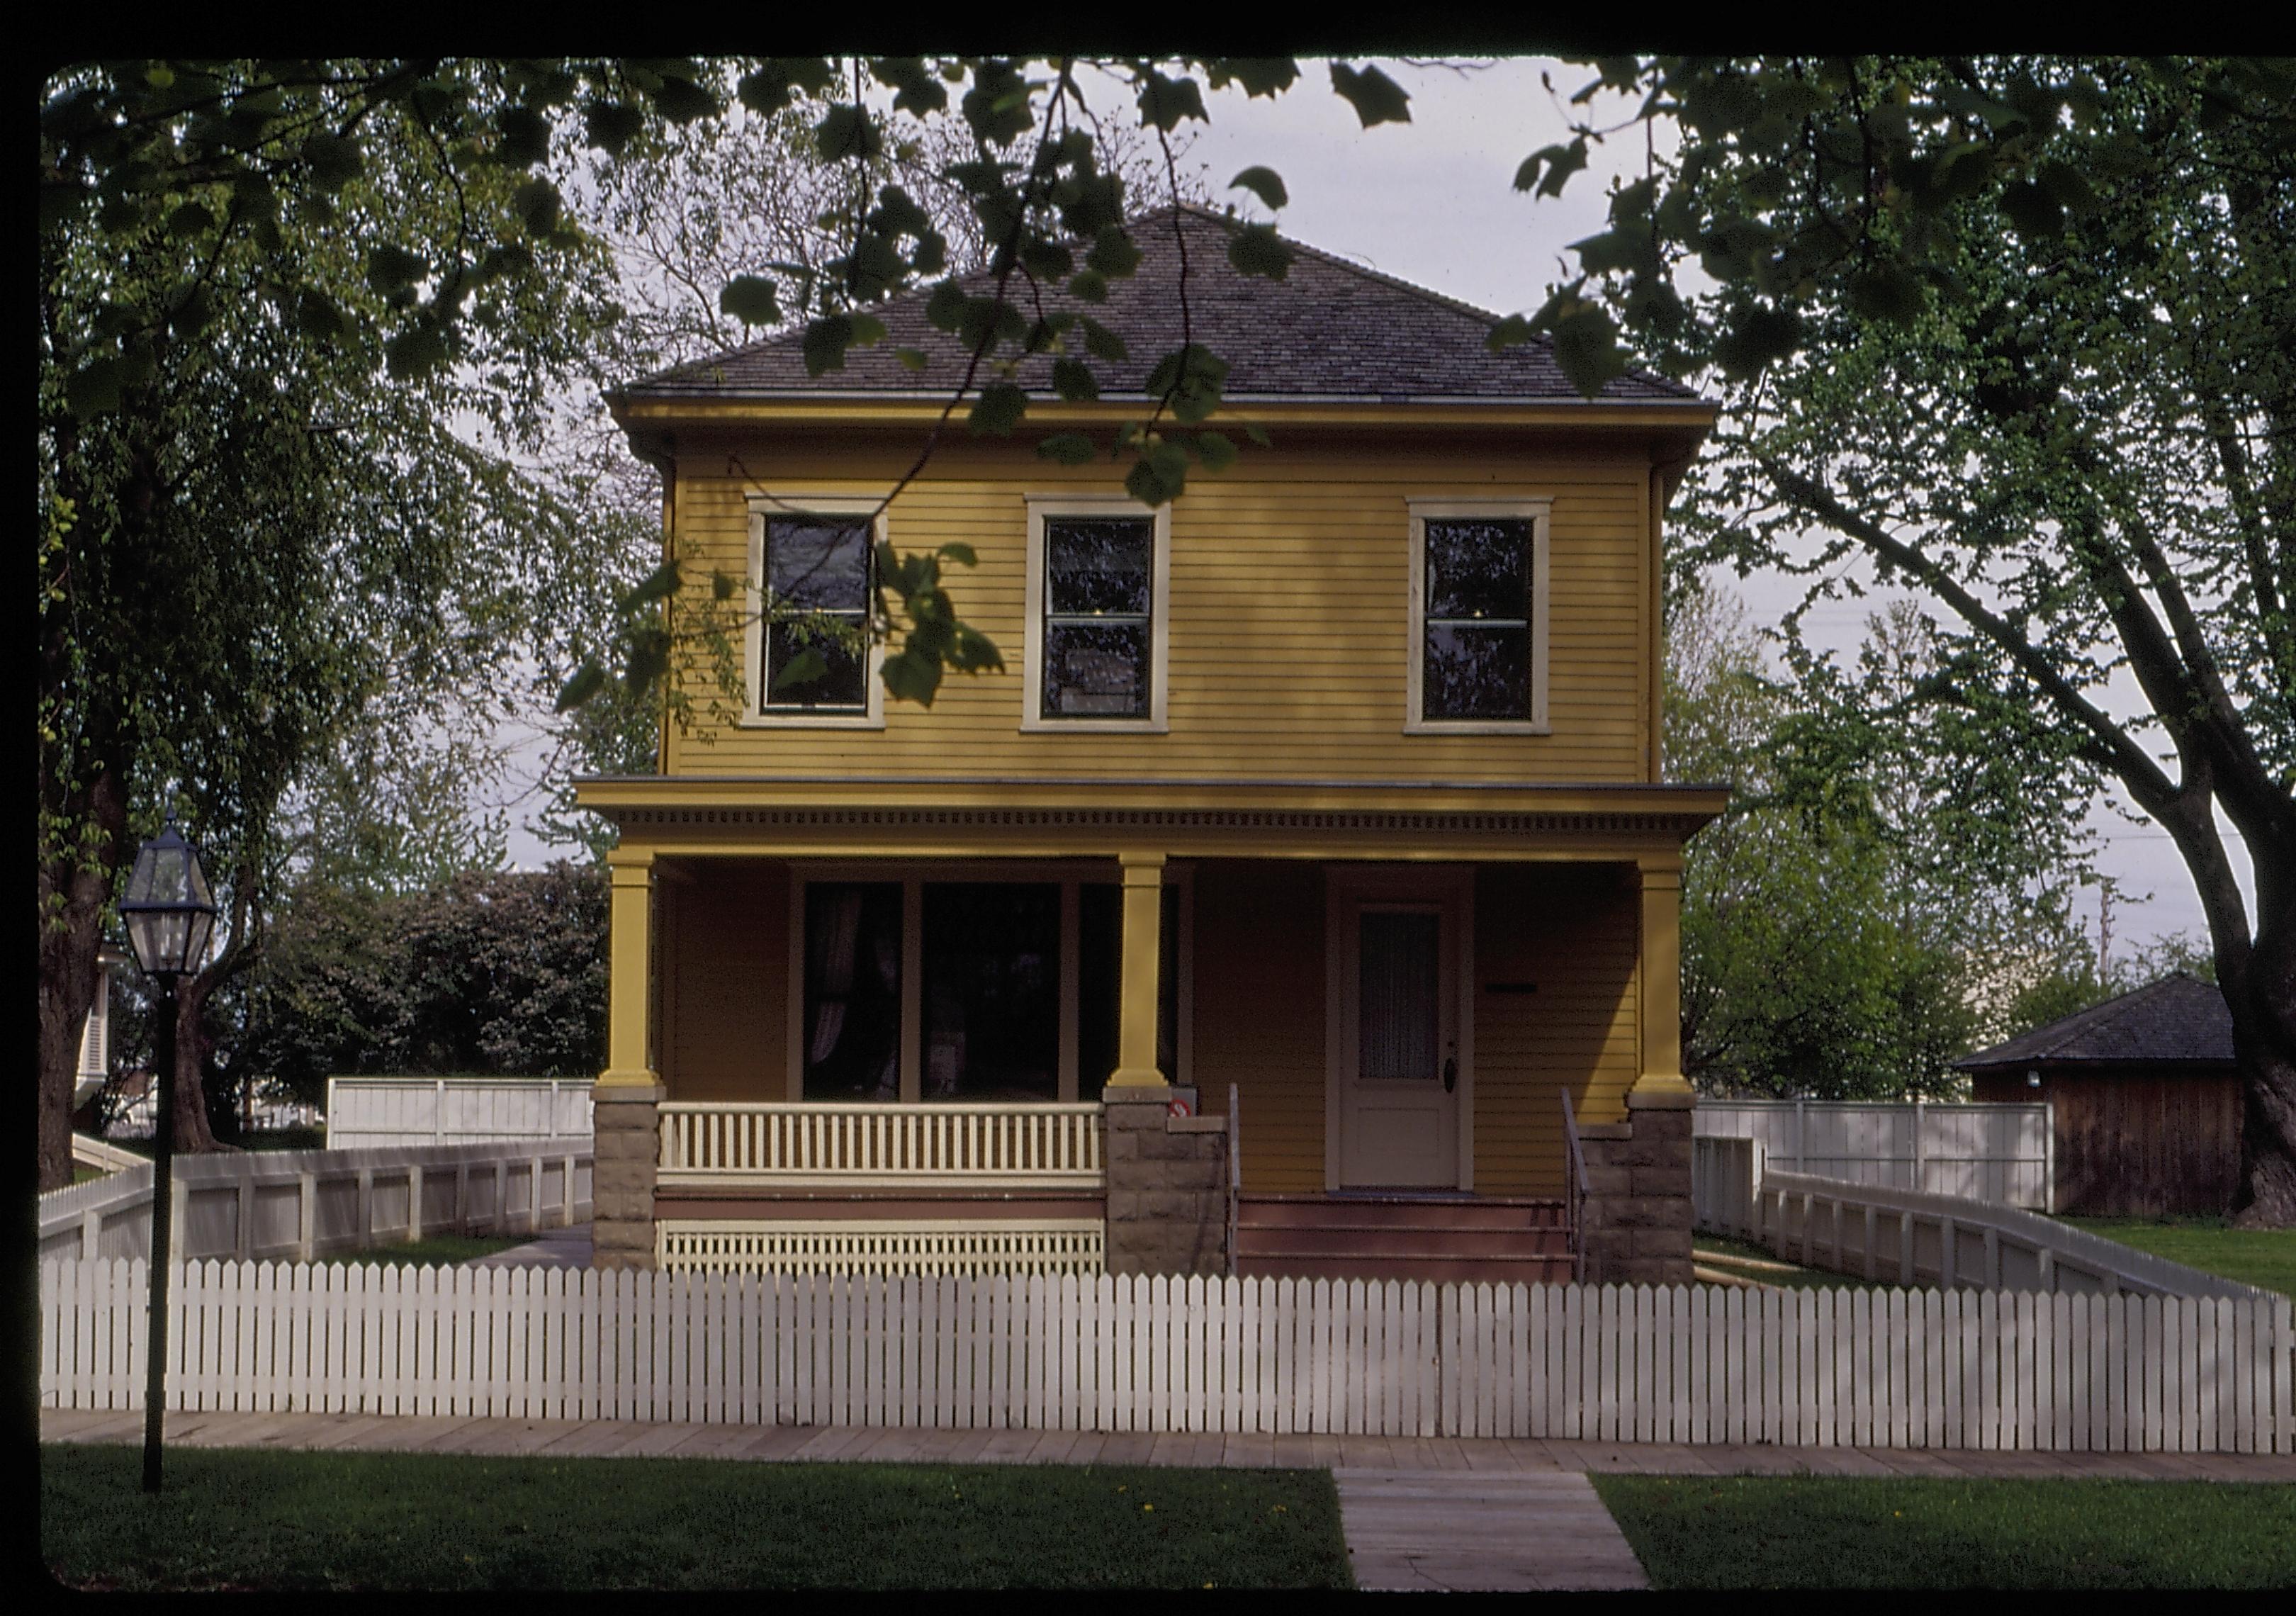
[1574, 1191]
[1235, 1175]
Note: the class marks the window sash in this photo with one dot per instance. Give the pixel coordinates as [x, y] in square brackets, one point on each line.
[807, 698]
[1481, 708]
[1142, 703]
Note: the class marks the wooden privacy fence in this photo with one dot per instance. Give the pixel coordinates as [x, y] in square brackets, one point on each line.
[370, 1112]
[2003, 1154]
[1701, 1365]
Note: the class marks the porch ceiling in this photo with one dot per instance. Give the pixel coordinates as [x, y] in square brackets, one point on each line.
[978, 816]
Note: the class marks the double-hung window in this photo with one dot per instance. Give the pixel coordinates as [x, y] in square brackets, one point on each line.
[809, 657]
[1477, 617]
[1098, 579]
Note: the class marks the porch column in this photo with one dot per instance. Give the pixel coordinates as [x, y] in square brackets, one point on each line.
[624, 1136]
[629, 999]
[1143, 916]
[1661, 981]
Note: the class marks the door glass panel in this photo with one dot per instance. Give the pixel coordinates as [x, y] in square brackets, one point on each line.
[992, 991]
[1398, 995]
[852, 990]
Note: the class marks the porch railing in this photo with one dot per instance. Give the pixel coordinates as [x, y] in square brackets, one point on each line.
[978, 1146]
[1574, 1190]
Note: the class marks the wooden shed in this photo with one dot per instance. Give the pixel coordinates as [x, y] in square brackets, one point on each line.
[2146, 1099]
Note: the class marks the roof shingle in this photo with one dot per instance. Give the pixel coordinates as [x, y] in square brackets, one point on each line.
[1330, 329]
[2178, 1018]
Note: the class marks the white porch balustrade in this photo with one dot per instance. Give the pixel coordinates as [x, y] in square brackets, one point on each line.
[810, 1144]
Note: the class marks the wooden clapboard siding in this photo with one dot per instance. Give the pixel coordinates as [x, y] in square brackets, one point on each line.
[1259, 1012]
[2147, 1141]
[722, 975]
[1289, 614]
[1571, 931]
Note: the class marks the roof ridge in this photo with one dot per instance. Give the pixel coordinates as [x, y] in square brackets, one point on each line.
[2089, 1019]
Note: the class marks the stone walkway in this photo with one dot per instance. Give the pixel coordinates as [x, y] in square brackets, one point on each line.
[1419, 1512]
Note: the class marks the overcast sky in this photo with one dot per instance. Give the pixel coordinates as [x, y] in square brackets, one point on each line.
[1432, 202]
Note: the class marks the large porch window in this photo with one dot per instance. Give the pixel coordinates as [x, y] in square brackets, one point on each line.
[921, 988]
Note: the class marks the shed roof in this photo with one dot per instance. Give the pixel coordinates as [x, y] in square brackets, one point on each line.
[2177, 1019]
[1330, 329]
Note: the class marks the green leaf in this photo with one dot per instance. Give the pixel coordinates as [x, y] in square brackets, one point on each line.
[911, 677]
[911, 358]
[1887, 291]
[524, 137]
[722, 586]
[1263, 182]
[1586, 348]
[1507, 334]
[416, 351]
[1760, 335]
[2069, 186]
[191, 310]
[318, 317]
[946, 306]
[94, 389]
[752, 300]
[611, 125]
[1164, 102]
[1073, 379]
[961, 553]
[1089, 285]
[190, 220]
[1376, 98]
[1559, 162]
[1068, 448]
[847, 131]
[2033, 210]
[998, 409]
[682, 100]
[825, 343]
[588, 680]
[1258, 74]
[1216, 450]
[1258, 434]
[537, 202]
[1113, 253]
[1101, 342]
[648, 661]
[1258, 250]
[1160, 476]
[803, 668]
[391, 268]
[659, 584]
[334, 159]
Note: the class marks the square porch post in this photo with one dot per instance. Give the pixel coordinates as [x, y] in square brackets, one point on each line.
[1143, 917]
[626, 1093]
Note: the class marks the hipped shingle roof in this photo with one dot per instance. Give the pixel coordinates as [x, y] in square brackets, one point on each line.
[2178, 1018]
[1330, 329]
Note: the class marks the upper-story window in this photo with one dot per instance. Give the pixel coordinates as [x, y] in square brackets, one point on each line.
[1477, 617]
[809, 578]
[1098, 578]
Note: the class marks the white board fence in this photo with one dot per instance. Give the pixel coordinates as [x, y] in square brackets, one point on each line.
[298, 1204]
[2001, 1153]
[368, 1111]
[1700, 1364]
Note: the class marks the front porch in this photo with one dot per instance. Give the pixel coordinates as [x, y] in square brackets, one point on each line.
[1308, 1043]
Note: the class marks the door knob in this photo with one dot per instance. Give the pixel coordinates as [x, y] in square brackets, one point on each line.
[1450, 1075]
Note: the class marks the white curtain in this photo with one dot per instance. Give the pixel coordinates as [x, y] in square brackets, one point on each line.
[837, 928]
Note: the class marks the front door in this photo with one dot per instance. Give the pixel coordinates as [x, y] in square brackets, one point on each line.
[1400, 1061]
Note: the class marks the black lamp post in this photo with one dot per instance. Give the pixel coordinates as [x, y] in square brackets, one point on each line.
[170, 917]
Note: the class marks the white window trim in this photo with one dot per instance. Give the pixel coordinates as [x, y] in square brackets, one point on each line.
[1539, 511]
[911, 876]
[753, 635]
[1033, 693]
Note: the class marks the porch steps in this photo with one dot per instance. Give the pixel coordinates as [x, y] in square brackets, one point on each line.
[1500, 1240]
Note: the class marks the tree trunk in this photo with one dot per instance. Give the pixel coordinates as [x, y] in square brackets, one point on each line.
[72, 899]
[193, 1135]
[2262, 998]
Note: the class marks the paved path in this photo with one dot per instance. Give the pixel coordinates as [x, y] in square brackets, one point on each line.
[1419, 1512]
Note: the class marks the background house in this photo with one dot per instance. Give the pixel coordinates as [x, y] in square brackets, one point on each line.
[2146, 1096]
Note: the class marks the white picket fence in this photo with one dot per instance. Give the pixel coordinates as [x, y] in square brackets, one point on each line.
[1698, 1364]
[363, 1113]
[2001, 1153]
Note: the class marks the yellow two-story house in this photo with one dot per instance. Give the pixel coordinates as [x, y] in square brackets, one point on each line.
[1305, 866]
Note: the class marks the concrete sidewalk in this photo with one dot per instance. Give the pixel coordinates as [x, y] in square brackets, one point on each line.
[561, 1248]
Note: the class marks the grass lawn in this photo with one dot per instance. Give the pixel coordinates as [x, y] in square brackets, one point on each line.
[440, 1251]
[404, 1521]
[2254, 1256]
[1841, 1532]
